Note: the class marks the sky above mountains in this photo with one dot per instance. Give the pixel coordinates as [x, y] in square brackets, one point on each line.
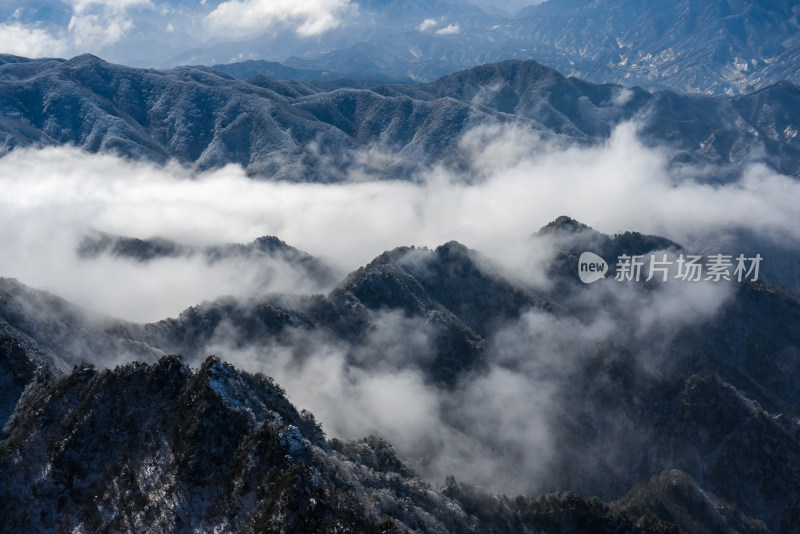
[55, 28]
[65, 28]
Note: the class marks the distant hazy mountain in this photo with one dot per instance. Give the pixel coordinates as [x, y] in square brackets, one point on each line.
[263, 254]
[272, 69]
[718, 47]
[694, 424]
[302, 131]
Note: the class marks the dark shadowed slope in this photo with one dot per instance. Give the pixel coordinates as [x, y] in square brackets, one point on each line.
[164, 448]
[711, 394]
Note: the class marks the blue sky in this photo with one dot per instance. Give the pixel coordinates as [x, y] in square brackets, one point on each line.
[108, 27]
[136, 31]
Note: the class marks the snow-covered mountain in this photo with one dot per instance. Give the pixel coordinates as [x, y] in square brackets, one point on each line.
[167, 448]
[689, 421]
[712, 47]
[302, 131]
[720, 47]
[487, 377]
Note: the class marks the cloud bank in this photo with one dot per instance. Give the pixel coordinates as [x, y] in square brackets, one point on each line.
[498, 429]
[516, 184]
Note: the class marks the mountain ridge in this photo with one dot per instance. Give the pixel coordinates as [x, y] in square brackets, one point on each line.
[685, 395]
[689, 46]
[205, 120]
[720, 47]
[214, 432]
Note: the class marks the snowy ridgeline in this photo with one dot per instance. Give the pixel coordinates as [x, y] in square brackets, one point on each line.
[300, 131]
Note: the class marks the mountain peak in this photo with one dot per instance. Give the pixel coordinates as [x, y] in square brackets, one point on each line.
[563, 224]
[269, 243]
[451, 249]
[84, 59]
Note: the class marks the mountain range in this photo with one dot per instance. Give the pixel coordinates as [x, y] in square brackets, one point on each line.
[301, 131]
[718, 47]
[435, 388]
[688, 423]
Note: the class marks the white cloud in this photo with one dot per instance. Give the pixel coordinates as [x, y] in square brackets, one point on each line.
[517, 184]
[622, 96]
[427, 24]
[92, 32]
[28, 41]
[80, 6]
[93, 25]
[430, 24]
[622, 185]
[450, 29]
[251, 17]
[98, 23]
